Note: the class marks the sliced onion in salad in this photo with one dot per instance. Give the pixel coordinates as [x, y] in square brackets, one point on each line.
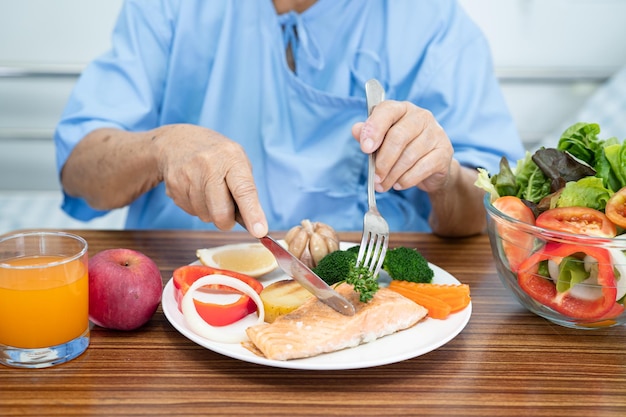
[589, 288]
[223, 334]
[619, 263]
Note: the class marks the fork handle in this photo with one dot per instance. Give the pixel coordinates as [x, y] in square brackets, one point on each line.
[374, 95]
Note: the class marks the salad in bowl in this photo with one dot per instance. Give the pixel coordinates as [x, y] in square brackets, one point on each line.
[557, 222]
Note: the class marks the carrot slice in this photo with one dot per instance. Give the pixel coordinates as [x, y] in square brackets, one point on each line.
[437, 309]
[457, 297]
[457, 303]
[435, 289]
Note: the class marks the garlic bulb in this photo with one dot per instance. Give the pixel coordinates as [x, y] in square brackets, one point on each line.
[311, 241]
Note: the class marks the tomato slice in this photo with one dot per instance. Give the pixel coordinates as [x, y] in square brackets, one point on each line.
[579, 220]
[212, 313]
[616, 208]
[516, 244]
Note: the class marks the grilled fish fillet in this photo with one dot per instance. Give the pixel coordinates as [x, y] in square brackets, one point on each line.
[315, 328]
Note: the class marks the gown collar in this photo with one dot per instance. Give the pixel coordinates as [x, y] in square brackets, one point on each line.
[303, 45]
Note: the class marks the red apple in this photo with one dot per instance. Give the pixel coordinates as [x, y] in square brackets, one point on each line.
[124, 289]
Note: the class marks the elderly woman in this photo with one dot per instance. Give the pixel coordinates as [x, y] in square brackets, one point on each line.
[202, 107]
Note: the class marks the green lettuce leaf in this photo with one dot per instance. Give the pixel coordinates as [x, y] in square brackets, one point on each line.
[603, 167]
[532, 182]
[586, 192]
[505, 182]
[616, 155]
[581, 140]
[484, 182]
[571, 272]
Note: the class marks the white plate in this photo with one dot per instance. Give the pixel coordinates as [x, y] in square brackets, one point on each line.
[427, 335]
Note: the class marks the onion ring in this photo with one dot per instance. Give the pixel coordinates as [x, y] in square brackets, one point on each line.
[204, 329]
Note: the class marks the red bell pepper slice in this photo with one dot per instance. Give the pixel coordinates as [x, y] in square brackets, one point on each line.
[213, 313]
[543, 290]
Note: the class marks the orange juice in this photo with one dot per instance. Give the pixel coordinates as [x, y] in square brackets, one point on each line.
[43, 306]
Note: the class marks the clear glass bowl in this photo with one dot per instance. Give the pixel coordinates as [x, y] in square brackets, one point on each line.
[526, 257]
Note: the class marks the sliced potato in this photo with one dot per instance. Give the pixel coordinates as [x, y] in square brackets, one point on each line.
[282, 297]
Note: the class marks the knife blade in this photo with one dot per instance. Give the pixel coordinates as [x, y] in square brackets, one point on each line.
[297, 270]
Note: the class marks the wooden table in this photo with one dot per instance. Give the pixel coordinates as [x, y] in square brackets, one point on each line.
[506, 362]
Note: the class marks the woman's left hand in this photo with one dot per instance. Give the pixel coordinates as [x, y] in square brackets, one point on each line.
[413, 149]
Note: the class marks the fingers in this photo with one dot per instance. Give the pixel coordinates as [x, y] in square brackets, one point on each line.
[229, 188]
[421, 159]
[246, 201]
[412, 148]
[384, 116]
[210, 177]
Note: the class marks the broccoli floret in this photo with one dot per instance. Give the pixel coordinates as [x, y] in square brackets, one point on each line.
[405, 264]
[340, 266]
[354, 249]
[336, 266]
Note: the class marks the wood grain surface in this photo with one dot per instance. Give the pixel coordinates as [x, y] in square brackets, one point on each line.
[506, 362]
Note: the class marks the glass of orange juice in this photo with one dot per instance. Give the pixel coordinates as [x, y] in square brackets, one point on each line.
[44, 298]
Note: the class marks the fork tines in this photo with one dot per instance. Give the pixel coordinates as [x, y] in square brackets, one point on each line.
[372, 251]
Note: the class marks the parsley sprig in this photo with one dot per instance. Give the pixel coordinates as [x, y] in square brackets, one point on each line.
[364, 282]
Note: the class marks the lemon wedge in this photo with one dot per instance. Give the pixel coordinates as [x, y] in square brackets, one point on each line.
[252, 259]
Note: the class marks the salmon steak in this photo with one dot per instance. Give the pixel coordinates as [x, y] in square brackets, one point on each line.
[315, 328]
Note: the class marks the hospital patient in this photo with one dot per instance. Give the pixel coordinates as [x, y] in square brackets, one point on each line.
[201, 107]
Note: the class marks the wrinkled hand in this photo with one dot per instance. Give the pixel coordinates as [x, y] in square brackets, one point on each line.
[413, 149]
[208, 176]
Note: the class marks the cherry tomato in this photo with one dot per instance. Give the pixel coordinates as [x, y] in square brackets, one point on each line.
[579, 220]
[516, 244]
[616, 208]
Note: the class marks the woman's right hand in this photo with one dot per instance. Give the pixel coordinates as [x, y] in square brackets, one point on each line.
[209, 176]
[205, 173]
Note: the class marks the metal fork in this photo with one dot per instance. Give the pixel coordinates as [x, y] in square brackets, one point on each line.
[375, 238]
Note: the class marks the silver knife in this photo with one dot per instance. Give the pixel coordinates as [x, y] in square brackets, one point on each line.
[296, 269]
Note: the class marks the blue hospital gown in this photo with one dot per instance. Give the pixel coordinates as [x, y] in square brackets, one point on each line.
[222, 64]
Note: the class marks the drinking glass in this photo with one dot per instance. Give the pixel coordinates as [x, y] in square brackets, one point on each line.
[44, 298]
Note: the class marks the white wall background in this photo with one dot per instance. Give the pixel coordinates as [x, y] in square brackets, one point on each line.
[550, 56]
[43, 45]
